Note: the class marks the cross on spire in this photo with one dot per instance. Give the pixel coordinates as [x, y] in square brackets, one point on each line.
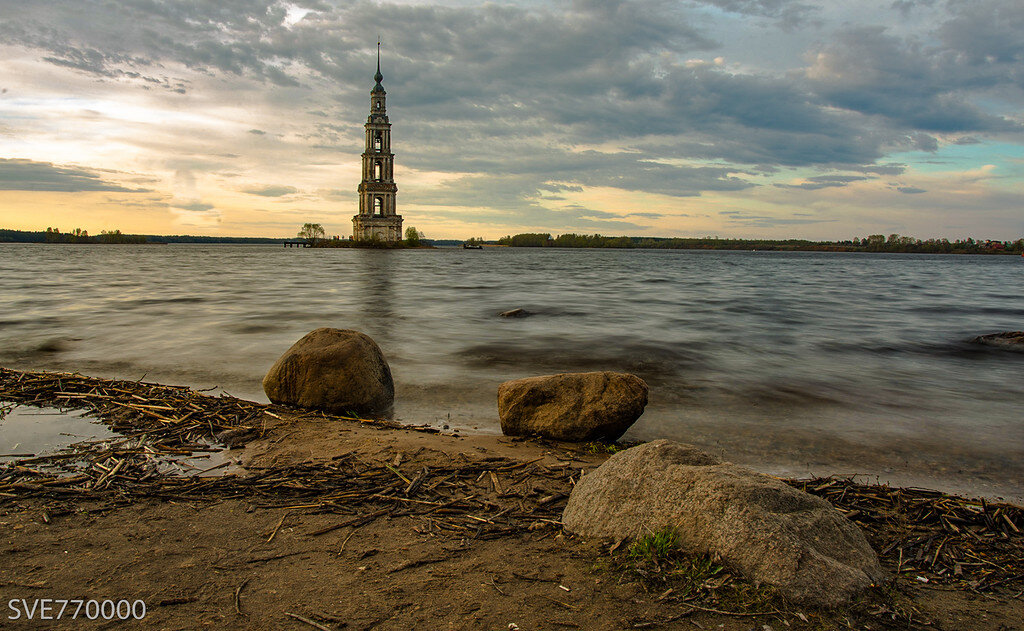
[378, 77]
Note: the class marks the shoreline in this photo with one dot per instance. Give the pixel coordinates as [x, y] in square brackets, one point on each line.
[806, 452]
[965, 489]
[874, 244]
[320, 522]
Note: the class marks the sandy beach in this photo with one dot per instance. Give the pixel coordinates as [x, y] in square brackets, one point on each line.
[312, 522]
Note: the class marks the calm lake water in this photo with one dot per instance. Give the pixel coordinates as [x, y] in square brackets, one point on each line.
[794, 363]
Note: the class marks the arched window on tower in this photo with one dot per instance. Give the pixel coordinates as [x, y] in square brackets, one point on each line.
[378, 104]
[378, 205]
[378, 171]
[377, 141]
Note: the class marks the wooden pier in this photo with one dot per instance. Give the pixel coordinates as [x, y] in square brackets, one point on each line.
[299, 243]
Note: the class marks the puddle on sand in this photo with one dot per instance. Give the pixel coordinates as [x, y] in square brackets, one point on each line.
[28, 431]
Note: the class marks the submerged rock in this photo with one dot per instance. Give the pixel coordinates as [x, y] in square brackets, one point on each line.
[52, 346]
[1013, 340]
[572, 406]
[767, 530]
[515, 313]
[336, 370]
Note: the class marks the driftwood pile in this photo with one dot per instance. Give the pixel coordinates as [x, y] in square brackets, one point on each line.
[484, 498]
[931, 537]
[476, 500]
[157, 422]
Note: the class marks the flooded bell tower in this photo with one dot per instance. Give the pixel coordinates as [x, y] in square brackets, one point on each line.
[377, 219]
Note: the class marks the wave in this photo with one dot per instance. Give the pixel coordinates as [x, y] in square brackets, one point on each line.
[249, 329]
[144, 302]
[652, 362]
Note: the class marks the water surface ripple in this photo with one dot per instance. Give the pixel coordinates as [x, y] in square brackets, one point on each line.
[795, 363]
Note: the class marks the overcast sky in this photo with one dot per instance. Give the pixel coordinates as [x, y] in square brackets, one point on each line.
[744, 118]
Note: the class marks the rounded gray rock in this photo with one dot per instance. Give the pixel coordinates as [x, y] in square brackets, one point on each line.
[760, 526]
[335, 370]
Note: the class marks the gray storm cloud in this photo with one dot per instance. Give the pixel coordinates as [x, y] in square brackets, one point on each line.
[28, 175]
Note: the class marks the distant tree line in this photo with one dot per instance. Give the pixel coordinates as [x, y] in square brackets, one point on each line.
[54, 235]
[899, 243]
[871, 243]
[189, 238]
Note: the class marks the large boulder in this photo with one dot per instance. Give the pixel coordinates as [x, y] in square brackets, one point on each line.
[758, 525]
[575, 407]
[336, 370]
[1012, 340]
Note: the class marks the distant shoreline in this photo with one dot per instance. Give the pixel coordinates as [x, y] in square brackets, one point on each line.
[71, 238]
[893, 244]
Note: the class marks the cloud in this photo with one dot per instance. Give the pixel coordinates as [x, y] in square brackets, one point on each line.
[879, 169]
[789, 13]
[543, 218]
[337, 194]
[147, 202]
[869, 70]
[907, 6]
[271, 190]
[770, 221]
[986, 34]
[910, 190]
[526, 180]
[588, 73]
[131, 36]
[194, 207]
[824, 181]
[556, 187]
[27, 175]
[195, 213]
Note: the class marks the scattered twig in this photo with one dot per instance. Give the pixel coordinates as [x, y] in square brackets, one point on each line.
[345, 542]
[238, 598]
[743, 614]
[558, 602]
[275, 557]
[278, 527]
[311, 623]
[496, 588]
